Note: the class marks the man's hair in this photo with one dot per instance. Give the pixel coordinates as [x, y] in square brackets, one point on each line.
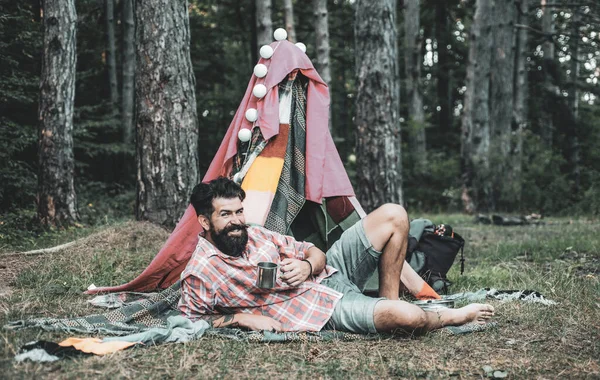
[204, 194]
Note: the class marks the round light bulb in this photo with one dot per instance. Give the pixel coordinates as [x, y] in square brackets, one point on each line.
[251, 115]
[266, 51]
[280, 34]
[259, 90]
[301, 46]
[244, 135]
[260, 70]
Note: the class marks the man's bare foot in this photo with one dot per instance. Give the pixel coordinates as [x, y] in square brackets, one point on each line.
[478, 312]
[474, 313]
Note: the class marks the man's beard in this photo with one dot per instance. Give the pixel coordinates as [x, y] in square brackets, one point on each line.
[231, 245]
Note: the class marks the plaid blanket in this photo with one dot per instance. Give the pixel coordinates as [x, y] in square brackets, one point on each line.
[132, 313]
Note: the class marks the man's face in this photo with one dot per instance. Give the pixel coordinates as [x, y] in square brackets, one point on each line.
[227, 226]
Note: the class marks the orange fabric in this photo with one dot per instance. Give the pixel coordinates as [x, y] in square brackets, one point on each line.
[427, 293]
[96, 346]
[263, 175]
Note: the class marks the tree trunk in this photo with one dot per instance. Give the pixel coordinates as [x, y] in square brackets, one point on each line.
[413, 59]
[322, 43]
[57, 204]
[128, 72]
[444, 67]
[548, 29]
[550, 88]
[476, 117]
[264, 27]
[166, 121]
[501, 101]
[521, 94]
[574, 99]
[379, 170]
[111, 60]
[288, 9]
[254, 35]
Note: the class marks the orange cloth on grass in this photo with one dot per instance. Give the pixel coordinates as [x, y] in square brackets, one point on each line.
[427, 293]
[96, 346]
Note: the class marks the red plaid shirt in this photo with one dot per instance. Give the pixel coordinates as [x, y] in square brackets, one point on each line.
[215, 283]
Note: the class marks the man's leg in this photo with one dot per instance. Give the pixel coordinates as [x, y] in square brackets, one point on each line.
[387, 230]
[392, 315]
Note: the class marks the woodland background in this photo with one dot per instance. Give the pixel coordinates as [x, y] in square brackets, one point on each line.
[114, 109]
[490, 105]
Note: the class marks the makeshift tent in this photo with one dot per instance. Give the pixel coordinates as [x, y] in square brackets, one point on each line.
[290, 169]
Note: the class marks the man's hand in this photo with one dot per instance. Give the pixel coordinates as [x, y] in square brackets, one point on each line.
[258, 322]
[295, 271]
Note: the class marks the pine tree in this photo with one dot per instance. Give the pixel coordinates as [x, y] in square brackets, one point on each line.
[379, 170]
[166, 121]
[57, 204]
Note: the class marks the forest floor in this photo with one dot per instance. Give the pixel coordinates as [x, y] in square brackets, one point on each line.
[560, 259]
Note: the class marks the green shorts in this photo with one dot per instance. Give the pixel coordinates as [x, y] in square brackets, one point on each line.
[355, 259]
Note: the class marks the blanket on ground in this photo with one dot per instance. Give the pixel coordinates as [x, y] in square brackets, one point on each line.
[134, 313]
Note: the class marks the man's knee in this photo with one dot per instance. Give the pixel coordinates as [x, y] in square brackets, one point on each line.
[394, 215]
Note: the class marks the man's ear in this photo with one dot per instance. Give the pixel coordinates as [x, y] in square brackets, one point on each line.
[204, 222]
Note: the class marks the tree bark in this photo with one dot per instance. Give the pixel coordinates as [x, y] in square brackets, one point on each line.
[413, 58]
[444, 68]
[322, 43]
[379, 171]
[521, 95]
[166, 121]
[111, 60]
[57, 203]
[128, 94]
[264, 26]
[574, 100]
[548, 30]
[547, 122]
[288, 10]
[476, 115]
[501, 101]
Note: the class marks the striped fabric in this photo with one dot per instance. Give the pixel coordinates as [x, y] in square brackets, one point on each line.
[214, 283]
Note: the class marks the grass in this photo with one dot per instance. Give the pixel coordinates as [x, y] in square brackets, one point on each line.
[561, 259]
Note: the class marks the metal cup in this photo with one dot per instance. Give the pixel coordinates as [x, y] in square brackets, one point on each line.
[267, 274]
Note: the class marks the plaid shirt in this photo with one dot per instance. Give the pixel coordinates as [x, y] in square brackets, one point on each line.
[215, 283]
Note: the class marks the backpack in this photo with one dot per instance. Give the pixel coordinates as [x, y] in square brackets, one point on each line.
[432, 250]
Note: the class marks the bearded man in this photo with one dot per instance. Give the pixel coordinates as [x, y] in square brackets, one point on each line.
[315, 290]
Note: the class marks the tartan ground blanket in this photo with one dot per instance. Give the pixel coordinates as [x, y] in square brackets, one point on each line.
[133, 313]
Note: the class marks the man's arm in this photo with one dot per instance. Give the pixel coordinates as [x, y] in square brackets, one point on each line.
[317, 260]
[297, 271]
[249, 321]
